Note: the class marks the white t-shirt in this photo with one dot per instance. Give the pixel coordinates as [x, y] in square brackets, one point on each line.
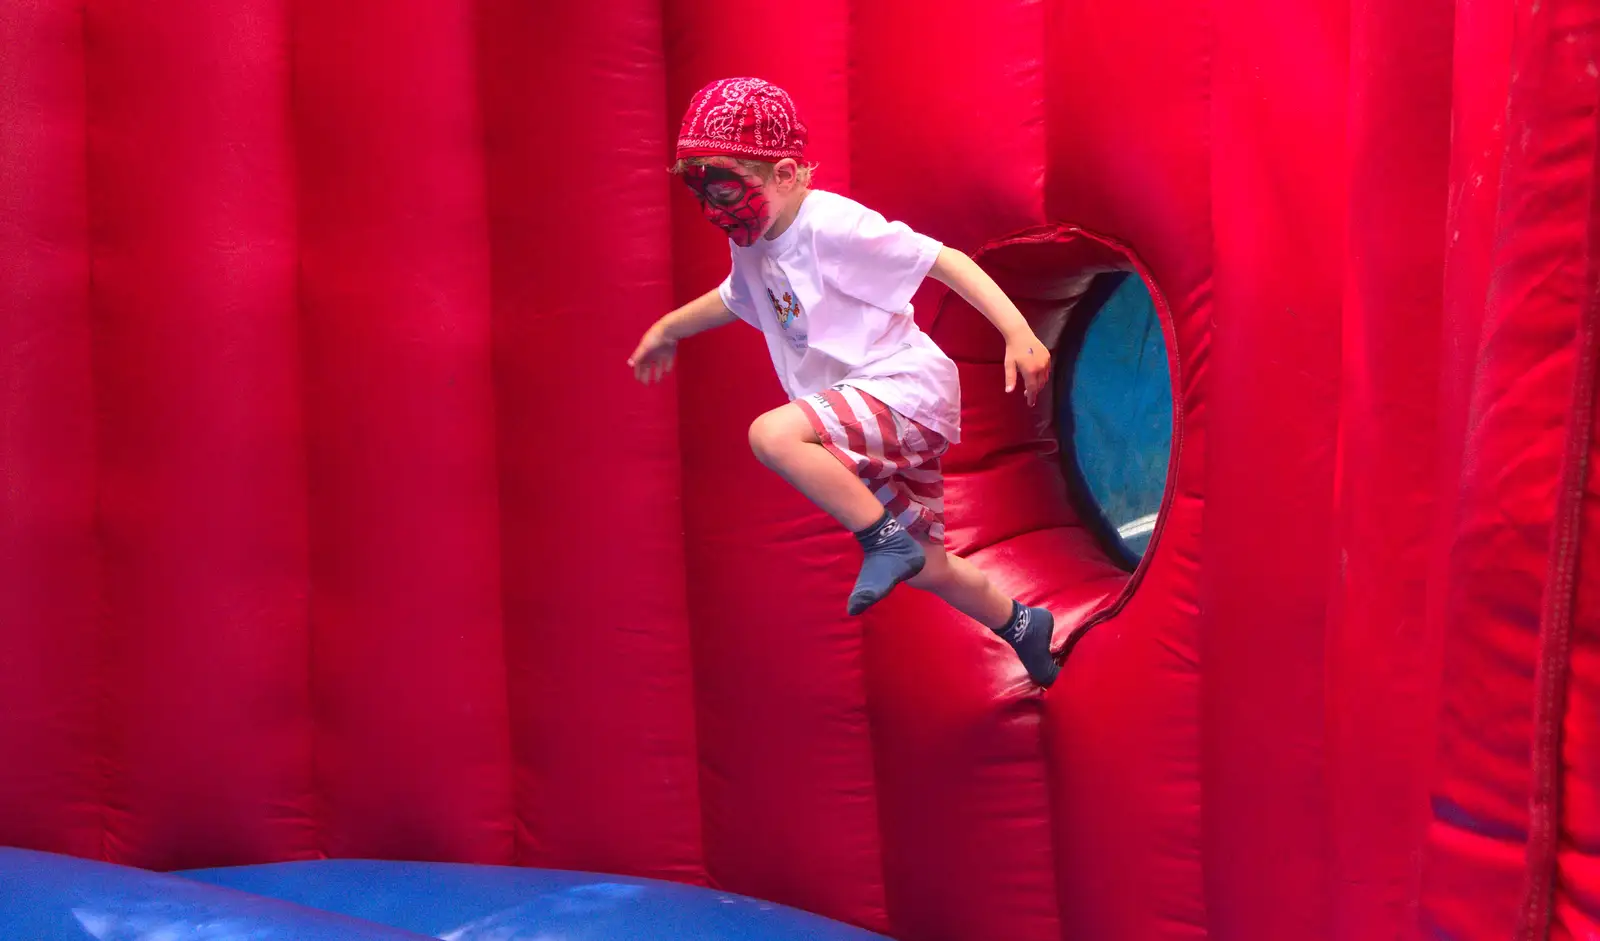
[833, 294]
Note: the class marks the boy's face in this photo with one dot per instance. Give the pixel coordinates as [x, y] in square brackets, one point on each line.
[735, 200]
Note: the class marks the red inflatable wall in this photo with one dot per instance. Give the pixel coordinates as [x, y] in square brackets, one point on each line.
[332, 524]
[1382, 650]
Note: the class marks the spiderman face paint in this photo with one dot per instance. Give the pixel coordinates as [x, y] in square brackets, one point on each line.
[735, 202]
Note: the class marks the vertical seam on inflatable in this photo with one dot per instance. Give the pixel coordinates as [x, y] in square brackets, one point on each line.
[703, 861]
[316, 807]
[698, 864]
[486, 195]
[102, 615]
[1206, 337]
[1554, 657]
[1206, 822]
[1451, 402]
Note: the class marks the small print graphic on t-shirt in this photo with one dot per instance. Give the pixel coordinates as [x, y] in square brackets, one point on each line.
[785, 305]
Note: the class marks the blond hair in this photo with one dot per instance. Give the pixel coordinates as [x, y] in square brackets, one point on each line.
[760, 168]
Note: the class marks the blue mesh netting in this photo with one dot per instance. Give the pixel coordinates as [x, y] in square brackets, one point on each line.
[1114, 410]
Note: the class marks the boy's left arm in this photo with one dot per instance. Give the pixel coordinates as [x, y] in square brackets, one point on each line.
[1025, 353]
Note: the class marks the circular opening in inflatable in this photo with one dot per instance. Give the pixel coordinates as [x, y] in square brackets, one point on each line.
[1114, 412]
[1076, 484]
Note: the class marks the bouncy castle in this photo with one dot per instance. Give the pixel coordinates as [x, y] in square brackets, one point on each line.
[350, 586]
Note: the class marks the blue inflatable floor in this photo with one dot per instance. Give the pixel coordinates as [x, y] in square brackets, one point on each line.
[44, 897]
[47, 897]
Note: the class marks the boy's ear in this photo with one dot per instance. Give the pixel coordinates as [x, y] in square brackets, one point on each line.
[786, 171]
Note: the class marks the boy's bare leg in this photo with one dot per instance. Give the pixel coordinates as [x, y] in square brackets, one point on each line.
[784, 441]
[964, 587]
[968, 590]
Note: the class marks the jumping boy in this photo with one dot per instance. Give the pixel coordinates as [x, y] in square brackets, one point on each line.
[874, 403]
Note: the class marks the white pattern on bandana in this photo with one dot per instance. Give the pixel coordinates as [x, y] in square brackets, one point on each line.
[719, 124]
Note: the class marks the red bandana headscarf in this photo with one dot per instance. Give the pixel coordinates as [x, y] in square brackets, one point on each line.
[742, 117]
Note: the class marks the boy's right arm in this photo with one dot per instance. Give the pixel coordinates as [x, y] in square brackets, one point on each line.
[701, 314]
[652, 358]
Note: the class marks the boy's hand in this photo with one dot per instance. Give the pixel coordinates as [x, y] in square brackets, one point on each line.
[652, 358]
[1024, 352]
[1027, 355]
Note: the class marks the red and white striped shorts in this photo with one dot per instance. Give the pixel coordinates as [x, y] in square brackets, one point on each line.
[899, 459]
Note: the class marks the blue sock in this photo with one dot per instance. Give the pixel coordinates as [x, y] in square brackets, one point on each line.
[891, 557]
[1029, 632]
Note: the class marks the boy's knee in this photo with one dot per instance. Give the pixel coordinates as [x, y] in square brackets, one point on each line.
[776, 432]
[769, 436]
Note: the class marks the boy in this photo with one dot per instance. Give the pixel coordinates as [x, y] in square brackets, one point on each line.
[873, 402]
